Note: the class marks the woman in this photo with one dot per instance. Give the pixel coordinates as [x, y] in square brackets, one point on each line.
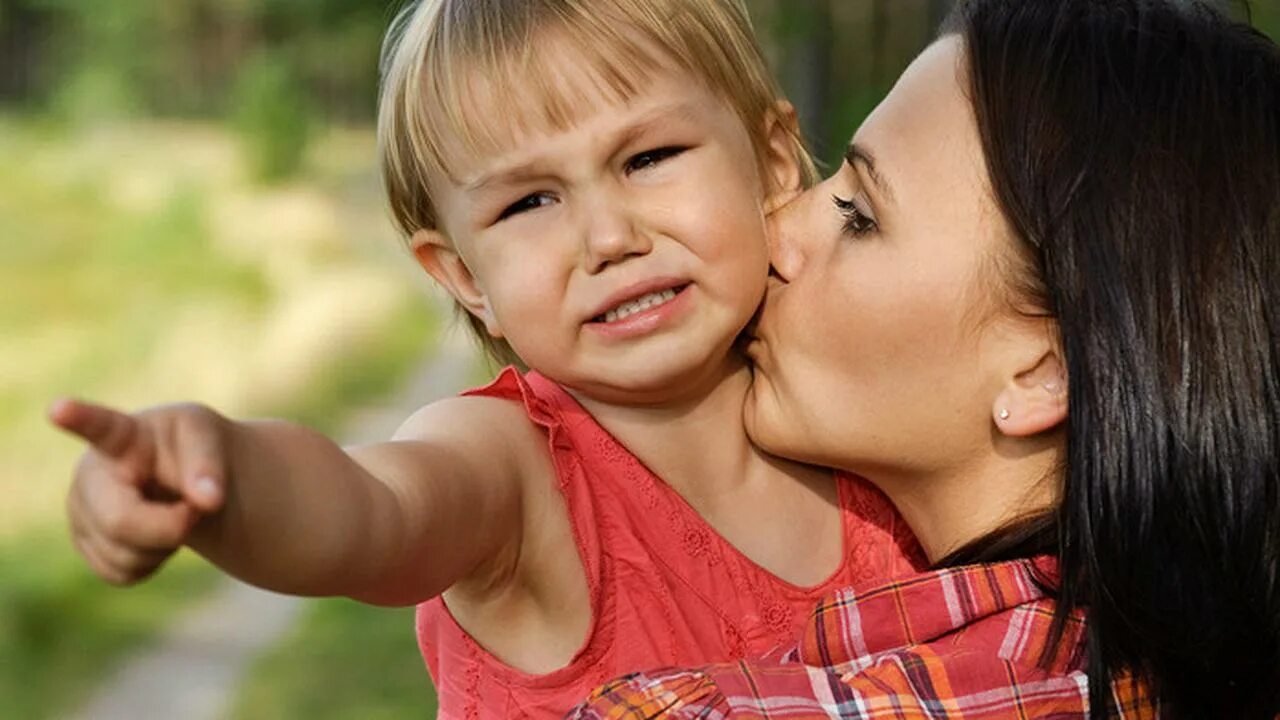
[1037, 306]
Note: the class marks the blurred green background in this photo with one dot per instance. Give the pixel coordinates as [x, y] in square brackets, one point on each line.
[189, 209]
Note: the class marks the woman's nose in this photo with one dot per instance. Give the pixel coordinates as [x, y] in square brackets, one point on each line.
[786, 246]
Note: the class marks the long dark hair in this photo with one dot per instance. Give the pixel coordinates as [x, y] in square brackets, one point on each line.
[1134, 146]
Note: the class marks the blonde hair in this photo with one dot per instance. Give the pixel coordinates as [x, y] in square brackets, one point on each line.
[445, 61]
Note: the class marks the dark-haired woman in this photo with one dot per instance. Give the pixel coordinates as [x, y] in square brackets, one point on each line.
[1039, 306]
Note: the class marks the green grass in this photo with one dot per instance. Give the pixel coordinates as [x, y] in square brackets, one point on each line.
[121, 284]
[59, 625]
[370, 371]
[346, 660]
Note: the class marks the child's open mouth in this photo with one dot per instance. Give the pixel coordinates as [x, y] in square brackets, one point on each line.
[638, 305]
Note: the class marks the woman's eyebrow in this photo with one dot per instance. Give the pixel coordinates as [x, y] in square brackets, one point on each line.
[859, 155]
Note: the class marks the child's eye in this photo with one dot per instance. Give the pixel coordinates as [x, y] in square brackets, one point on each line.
[532, 201]
[856, 223]
[649, 158]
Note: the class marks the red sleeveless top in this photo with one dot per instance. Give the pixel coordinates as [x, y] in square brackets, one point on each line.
[665, 588]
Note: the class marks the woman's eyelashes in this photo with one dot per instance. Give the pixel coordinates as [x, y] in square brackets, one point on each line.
[856, 222]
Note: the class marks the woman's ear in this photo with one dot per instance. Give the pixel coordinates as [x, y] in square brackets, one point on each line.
[786, 179]
[438, 257]
[1034, 400]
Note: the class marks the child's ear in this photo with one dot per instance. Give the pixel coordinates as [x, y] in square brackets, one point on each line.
[438, 257]
[782, 130]
[1034, 400]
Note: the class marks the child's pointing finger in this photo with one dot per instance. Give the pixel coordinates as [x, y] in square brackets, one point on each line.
[110, 432]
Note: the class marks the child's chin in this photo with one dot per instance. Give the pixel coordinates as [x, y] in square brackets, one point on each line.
[658, 380]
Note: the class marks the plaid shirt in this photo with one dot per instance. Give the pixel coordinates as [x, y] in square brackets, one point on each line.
[961, 643]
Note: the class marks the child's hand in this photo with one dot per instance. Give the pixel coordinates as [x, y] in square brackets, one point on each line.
[143, 483]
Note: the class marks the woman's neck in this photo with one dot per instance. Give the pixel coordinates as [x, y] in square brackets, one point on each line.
[950, 509]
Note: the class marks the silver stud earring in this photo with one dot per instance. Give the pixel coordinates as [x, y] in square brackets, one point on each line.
[1004, 413]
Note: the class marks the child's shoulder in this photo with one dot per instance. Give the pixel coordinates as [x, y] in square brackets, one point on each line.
[472, 419]
[498, 428]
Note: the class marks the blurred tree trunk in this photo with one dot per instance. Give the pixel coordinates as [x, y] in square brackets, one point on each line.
[807, 63]
[879, 43]
[24, 38]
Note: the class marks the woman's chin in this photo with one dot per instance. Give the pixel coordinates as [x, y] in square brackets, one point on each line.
[757, 427]
[773, 430]
[767, 425]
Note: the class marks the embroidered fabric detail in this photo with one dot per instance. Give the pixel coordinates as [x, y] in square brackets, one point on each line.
[666, 588]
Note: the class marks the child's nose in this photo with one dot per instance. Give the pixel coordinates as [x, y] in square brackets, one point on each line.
[612, 235]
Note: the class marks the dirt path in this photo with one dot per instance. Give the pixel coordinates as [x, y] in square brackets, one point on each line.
[193, 669]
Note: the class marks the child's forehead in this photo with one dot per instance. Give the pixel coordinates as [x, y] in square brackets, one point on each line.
[601, 122]
[497, 105]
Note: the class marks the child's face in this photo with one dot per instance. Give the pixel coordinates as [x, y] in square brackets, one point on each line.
[555, 239]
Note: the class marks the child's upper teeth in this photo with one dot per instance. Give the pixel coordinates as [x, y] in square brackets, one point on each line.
[632, 307]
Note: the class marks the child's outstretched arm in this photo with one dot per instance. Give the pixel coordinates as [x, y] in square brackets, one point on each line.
[285, 508]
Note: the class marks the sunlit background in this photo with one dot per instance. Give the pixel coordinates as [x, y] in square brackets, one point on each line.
[189, 209]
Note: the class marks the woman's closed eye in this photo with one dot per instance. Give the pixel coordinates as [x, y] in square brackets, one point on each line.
[650, 158]
[532, 201]
[857, 223]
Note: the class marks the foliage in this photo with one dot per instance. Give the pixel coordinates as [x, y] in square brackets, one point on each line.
[58, 623]
[371, 371]
[60, 627]
[272, 116]
[346, 660]
[1265, 15]
[131, 275]
[184, 57]
[187, 57]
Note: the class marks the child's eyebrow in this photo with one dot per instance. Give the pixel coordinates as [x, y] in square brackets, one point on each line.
[509, 176]
[644, 123]
[657, 117]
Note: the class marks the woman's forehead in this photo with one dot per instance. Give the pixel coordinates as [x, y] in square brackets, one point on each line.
[924, 131]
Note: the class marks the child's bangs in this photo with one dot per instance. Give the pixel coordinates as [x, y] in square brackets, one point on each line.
[486, 89]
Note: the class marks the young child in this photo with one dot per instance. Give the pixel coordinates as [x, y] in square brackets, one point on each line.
[589, 179]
